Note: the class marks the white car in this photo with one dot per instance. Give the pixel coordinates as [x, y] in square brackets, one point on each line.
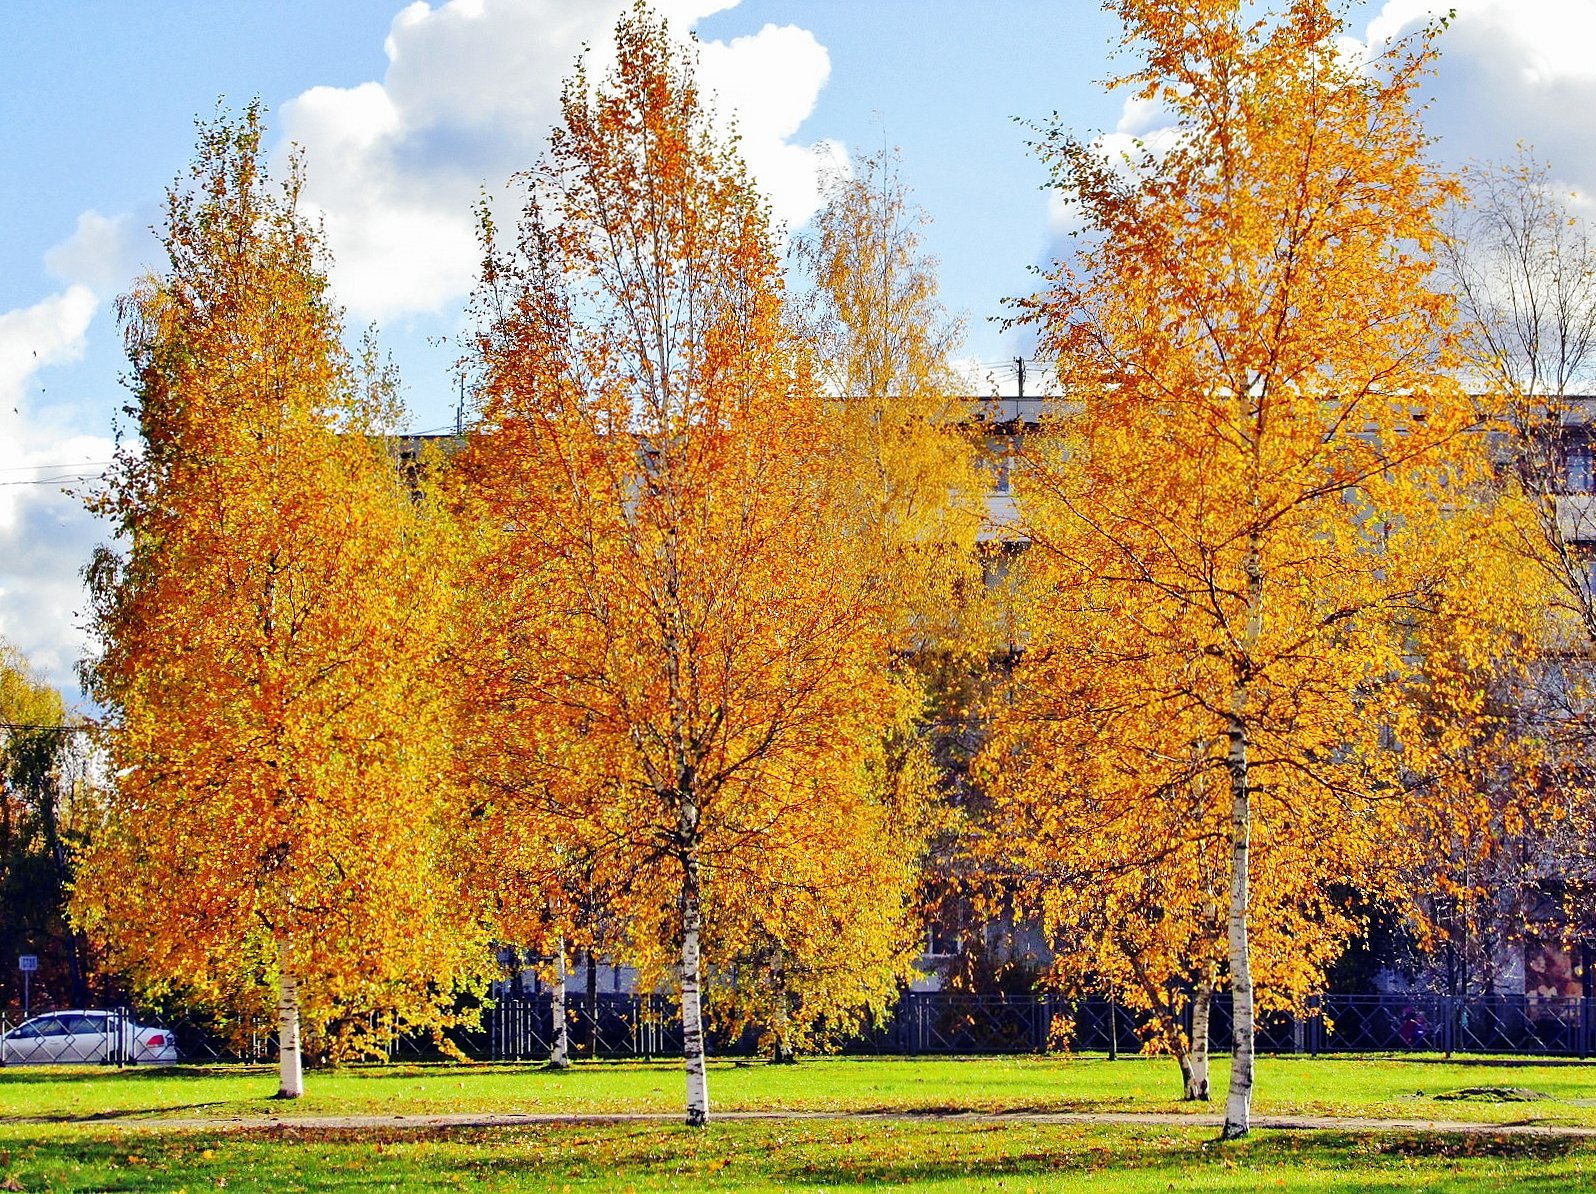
[67, 1038]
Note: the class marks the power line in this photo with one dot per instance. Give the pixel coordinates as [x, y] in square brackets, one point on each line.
[24, 468]
[449, 429]
[58, 480]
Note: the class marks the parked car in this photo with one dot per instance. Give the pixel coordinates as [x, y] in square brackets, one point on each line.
[65, 1038]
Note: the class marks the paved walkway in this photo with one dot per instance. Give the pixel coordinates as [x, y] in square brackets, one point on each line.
[425, 1123]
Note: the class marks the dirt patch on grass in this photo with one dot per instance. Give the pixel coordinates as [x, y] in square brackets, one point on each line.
[1491, 1094]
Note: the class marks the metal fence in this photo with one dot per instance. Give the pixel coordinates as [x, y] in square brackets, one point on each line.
[643, 1026]
[948, 1023]
[1497, 1024]
[613, 1026]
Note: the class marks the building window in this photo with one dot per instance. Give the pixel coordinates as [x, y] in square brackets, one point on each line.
[1579, 467]
[1000, 454]
[940, 942]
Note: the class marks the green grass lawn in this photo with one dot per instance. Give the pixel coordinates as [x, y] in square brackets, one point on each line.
[1367, 1086]
[808, 1155]
[44, 1144]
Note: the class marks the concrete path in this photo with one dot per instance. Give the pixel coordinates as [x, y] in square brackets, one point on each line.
[426, 1123]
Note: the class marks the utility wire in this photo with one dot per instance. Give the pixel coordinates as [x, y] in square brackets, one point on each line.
[24, 468]
[58, 480]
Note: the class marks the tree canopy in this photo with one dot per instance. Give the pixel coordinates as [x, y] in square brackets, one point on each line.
[1259, 424]
[687, 676]
[266, 635]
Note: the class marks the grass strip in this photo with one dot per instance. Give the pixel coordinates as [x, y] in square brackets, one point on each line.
[1394, 1088]
[930, 1155]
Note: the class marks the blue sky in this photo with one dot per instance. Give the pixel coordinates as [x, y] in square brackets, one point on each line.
[408, 113]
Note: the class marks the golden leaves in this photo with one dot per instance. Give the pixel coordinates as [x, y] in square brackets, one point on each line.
[269, 637]
[1233, 536]
[677, 658]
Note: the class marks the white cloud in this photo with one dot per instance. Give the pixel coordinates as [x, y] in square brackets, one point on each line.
[103, 253]
[1510, 71]
[471, 90]
[47, 333]
[1542, 41]
[741, 74]
[45, 535]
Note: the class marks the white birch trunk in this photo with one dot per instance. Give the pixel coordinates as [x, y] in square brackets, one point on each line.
[780, 1030]
[781, 1021]
[1202, 997]
[1238, 1106]
[689, 811]
[692, 1010]
[290, 1062]
[1187, 1075]
[1202, 1001]
[559, 1029]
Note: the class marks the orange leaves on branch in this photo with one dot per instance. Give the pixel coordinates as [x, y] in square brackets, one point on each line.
[268, 628]
[1231, 536]
[682, 672]
[1482, 725]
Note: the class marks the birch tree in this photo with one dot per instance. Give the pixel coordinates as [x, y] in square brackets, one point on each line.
[1111, 815]
[1520, 259]
[696, 671]
[267, 626]
[1491, 810]
[1264, 426]
[884, 347]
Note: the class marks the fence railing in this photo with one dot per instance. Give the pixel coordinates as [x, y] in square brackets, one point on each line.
[613, 1026]
[940, 1022]
[949, 1023]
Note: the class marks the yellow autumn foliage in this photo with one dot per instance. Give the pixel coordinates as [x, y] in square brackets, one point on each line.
[267, 628]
